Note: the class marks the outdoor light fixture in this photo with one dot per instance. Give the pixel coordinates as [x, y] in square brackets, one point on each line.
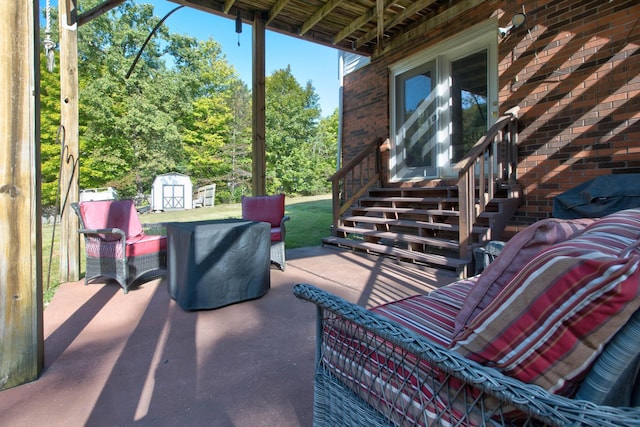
[517, 21]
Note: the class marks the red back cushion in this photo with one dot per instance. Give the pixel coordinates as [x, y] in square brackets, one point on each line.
[120, 214]
[264, 209]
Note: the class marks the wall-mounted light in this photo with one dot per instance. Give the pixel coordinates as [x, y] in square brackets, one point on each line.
[517, 21]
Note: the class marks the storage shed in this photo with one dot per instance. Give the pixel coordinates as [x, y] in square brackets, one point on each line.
[171, 191]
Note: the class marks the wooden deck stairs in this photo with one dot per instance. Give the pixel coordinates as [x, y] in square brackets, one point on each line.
[434, 222]
[421, 224]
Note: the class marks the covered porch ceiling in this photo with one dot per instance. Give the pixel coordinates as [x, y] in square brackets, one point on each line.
[365, 27]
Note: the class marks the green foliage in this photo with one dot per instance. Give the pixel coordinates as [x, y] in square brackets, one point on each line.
[183, 109]
[324, 152]
[49, 132]
[292, 115]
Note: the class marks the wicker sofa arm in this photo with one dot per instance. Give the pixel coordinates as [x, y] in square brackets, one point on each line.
[489, 384]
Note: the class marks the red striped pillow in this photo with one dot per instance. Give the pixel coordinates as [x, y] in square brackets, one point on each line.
[551, 321]
[516, 253]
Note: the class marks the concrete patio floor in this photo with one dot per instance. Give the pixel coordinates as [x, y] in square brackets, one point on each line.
[140, 360]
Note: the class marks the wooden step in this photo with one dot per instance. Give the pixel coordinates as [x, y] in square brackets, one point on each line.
[413, 211]
[401, 254]
[439, 191]
[419, 224]
[429, 213]
[411, 224]
[413, 200]
[436, 188]
[403, 237]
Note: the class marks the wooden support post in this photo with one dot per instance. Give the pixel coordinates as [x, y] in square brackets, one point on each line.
[69, 239]
[21, 333]
[259, 127]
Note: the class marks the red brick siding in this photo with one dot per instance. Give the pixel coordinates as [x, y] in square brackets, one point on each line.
[574, 75]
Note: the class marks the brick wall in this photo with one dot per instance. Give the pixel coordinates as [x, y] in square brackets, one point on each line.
[575, 75]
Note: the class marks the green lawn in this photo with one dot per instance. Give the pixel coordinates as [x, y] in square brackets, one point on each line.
[310, 222]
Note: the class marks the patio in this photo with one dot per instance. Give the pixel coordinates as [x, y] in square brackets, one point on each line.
[139, 359]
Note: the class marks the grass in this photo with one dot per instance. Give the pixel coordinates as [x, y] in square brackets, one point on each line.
[310, 222]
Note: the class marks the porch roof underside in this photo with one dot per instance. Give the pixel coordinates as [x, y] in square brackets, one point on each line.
[365, 27]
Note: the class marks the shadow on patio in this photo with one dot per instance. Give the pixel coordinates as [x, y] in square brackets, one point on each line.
[139, 359]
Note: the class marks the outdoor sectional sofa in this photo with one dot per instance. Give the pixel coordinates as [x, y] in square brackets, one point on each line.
[547, 334]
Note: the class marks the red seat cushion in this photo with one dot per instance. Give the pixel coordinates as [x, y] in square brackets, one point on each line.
[276, 234]
[432, 315]
[146, 245]
[139, 245]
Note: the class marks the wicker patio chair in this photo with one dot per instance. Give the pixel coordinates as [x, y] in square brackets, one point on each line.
[117, 245]
[269, 209]
[418, 382]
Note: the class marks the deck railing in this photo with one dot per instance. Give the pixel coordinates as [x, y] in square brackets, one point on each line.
[354, 179]
[491, 162]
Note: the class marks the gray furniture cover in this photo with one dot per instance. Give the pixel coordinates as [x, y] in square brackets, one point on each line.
[599, 197]
[216, 263]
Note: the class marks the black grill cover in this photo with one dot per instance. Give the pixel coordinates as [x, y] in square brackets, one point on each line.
[599, 197]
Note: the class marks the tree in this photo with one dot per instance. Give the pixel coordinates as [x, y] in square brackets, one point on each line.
[192, 116]
[50, 144]
[324, 151]
[128, 127]
[292, 114]
[237, 150]
[215, 134]
[162, 118]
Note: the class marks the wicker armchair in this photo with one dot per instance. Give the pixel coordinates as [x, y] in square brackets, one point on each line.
[269, 209]
[354, 343]
[117, 245]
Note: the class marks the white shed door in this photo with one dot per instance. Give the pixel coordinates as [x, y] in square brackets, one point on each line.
[173, 197]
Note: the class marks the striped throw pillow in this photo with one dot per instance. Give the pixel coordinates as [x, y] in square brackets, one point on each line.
[551, 321]
[515, 255]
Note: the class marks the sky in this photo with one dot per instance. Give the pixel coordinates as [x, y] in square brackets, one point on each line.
[309, 62]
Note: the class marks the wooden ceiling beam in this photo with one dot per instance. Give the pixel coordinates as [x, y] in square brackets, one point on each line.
[228, 4]
[276, 9]
[380, 22]
[98, 11]
[397, 19]
[319, 15]
[359, 22]
[447, 15]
